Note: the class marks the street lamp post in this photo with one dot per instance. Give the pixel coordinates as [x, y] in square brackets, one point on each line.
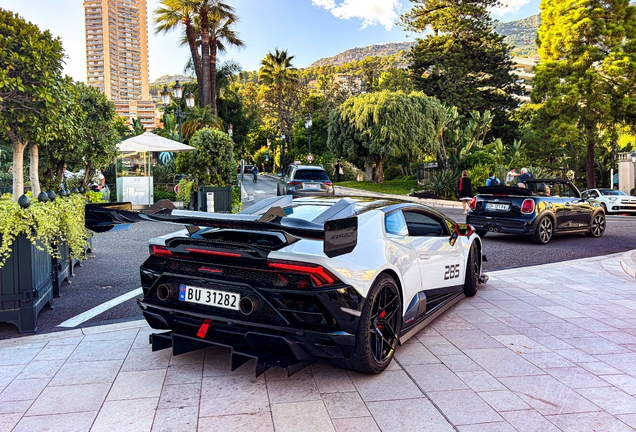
[634, 162]
[282, 151]
[178, 93]
[308, 126]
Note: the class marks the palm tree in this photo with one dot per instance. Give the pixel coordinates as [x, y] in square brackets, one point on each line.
[170, 15]
[198, 118]
[222, 36]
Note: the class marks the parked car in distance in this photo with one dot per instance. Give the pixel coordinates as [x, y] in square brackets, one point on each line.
[544, 208]
[246, 169]
[305, 180]
[613, 200]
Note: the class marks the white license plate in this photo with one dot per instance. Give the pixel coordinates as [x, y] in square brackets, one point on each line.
[222, 299]
[311, 186]
[497, 206]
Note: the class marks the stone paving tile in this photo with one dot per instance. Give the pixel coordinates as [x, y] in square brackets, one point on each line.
[275, 374]
[409, 415]
[69, 422]
[180, 396]
[547, 395]
[434, 378]
[547, 360]
[459, 363]
[414, 352]
[628, 419]
[596, 345]
[9, 373]
[464, 339]
[576, 355]
[176, 420]
[488, 427]
[40, 369]
[126, 416]
[57, 400]
[101, 350]
[471, 410]
[529, 421]
[55, 352]
[576, 377]
[260, 422]
[345, 405]
[16, 407]
[145, 359]
[8, 421]
[87, 373]
[193, 357]
[502, 362]
[362, 424]
[137, 385]
[521, 344]
[627, 383]
[389, 385]
[219, 365]
[599, 368]
[480, 381]
[293, 390]
[611, 399]
[184, 374]
[503, 401]
[597, 421]
[620, 337]
[551, 342]
[126, 334]
[17, 356]
[27, 389]
[445, 348]
[66, 339]
[449, 322]
[334, 382]
[233, 394]
[623, 362]
[308, 416]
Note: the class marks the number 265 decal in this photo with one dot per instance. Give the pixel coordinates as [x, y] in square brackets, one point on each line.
[452, 271]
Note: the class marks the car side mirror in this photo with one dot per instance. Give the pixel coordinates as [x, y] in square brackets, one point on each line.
[586, 196]
[461, 230]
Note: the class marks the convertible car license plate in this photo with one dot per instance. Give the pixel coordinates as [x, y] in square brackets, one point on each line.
[226, 300]
[491, 206]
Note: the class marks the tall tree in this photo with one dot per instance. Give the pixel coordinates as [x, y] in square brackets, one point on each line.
[32, 89]
[222, 36]
[170, 15]
[463, 62]
[586, 81]
[383, 124]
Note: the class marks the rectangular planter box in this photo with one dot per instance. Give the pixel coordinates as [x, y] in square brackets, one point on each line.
[61, 269]
[222, 198]
[76, 262]
[26, 285]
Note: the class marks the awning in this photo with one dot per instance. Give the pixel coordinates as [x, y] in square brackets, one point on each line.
[149, 142]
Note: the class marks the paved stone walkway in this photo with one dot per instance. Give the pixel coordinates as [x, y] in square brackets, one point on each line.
[547, 348]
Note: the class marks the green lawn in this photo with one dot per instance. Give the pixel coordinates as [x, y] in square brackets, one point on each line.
[393, 187]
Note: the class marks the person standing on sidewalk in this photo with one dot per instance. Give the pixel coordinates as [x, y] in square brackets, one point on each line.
[337, 170]
[510, 177]
[465, 190]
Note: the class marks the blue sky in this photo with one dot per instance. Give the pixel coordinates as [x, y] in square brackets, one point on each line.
[308, 29]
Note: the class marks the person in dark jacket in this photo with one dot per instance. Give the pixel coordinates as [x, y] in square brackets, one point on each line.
[465, 190]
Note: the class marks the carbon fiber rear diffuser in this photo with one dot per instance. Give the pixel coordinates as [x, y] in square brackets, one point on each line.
[276, 358]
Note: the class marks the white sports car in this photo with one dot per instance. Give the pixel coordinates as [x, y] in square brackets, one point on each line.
[288, 282]
[613, 200]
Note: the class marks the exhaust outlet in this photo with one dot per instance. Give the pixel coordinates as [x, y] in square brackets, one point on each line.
[166, 291]
[250, 305]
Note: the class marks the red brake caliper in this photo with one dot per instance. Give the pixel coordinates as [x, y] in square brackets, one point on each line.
[382, 315]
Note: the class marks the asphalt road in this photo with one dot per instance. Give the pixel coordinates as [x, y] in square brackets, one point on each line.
[112, 269]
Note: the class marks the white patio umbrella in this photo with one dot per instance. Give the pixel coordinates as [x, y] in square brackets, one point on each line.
[149, 142]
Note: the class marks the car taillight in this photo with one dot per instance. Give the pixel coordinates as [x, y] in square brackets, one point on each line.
[159, 250]
[326, 183]
[212, 252]
[293, 183]
[317, 273]
[473, 203]
[528, 206]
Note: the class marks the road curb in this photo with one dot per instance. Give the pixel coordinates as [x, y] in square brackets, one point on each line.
[628, 262]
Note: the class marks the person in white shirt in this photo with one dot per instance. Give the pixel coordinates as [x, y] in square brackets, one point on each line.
[510, 177]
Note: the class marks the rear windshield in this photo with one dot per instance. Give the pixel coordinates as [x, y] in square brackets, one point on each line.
[318, 175]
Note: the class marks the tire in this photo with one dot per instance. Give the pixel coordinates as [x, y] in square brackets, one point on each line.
[597, 226]
[277, 191]
[481, 233]
[544, 231]
[472, 272]
[604, 207]
[374, 350]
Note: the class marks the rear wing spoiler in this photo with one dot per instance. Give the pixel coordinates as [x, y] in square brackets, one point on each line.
[337, 226]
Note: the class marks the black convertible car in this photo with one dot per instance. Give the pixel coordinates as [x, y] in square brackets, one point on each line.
[544, 208]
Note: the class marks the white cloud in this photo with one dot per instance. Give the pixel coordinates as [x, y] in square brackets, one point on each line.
[510, 7]
[371, 12]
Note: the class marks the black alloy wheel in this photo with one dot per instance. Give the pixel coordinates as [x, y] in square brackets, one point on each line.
[604, 207]
[544, 231]
[472, 272]
[378, 329]
[597, 227]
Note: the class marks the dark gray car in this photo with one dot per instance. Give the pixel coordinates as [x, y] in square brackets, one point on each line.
[305, 180]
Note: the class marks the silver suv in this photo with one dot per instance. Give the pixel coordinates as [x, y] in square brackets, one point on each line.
[305, 180]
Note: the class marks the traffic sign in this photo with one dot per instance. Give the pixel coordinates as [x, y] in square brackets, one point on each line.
[310, 157]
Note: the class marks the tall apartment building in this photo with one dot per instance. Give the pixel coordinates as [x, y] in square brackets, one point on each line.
[117, 51]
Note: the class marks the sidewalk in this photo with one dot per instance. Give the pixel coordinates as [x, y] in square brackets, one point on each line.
[550, 348]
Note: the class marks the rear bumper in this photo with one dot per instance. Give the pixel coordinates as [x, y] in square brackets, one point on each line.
[506, 226]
